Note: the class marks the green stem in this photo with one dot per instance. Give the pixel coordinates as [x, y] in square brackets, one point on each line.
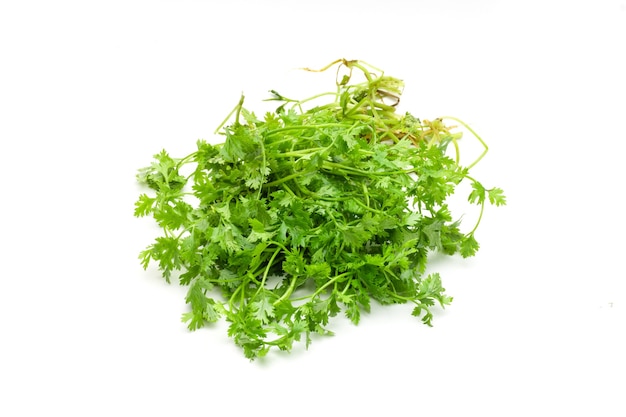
[316, 97]
[185, 160]
[367, 74]
[285, 179]
[367, 207]
[231, 299]
[267, 271]
[263, 165]
[323, 287]
[304, 127]
[465, 125]
[480, 216]
[237, 109]
[289, 291]
[298, 154]
[335, 167]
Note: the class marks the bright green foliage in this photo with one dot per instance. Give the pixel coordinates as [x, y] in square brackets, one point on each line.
[307, 213]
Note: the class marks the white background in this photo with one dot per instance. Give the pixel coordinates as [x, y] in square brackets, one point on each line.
[89, 91]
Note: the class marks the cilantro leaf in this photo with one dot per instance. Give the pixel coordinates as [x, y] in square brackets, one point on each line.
[263, 310]
[496, 197]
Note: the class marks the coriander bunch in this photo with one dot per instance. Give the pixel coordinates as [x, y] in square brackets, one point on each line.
[320, 207]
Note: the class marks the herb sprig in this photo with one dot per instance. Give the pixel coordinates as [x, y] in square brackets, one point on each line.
[311, 211]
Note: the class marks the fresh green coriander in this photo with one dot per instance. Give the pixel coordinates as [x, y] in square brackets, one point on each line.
[319, 207]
